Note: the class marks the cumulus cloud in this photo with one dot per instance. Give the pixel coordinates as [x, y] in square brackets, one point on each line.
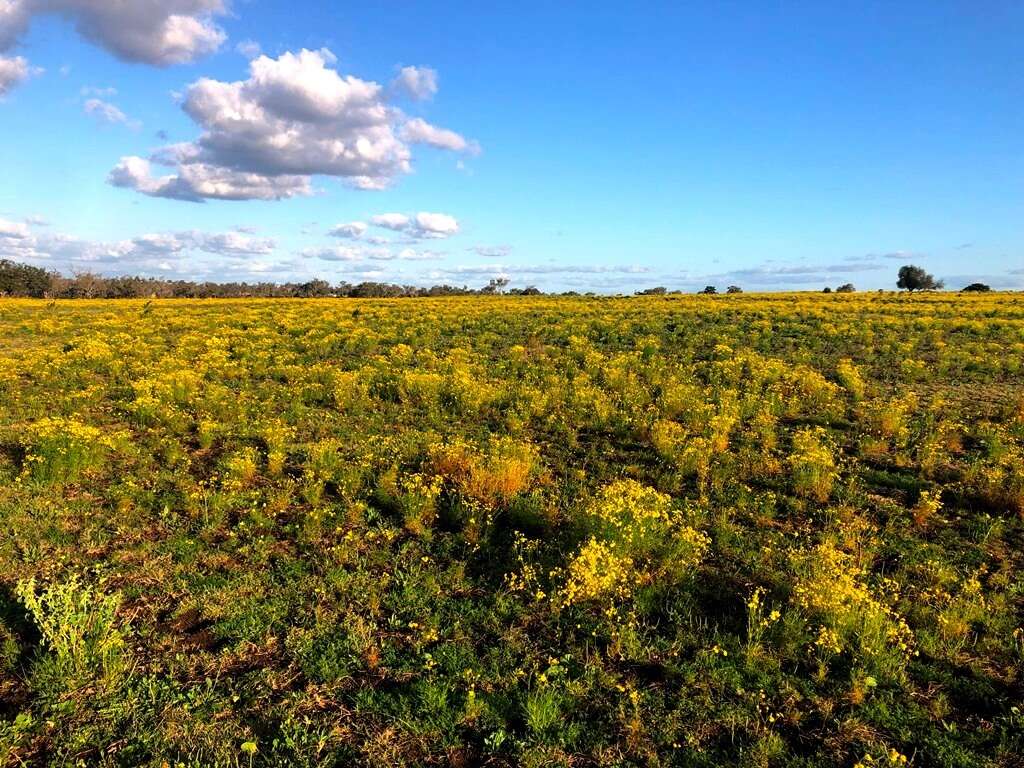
[396, 221]
[295, 117]
[422, 226]
[198, 182]
[19, 241]
[435, 225]
[235, 244]
[157, 32]
[333, 253]
[106, 112]
[419, 83]
[419, 131]
[13, 72]
[352, 230]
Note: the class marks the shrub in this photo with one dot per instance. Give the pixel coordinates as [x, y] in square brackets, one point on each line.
[635, 538]
[812, 465]
[58, 449]
[84, 644]
[853, 616]
[850, 377]
[491, 478]
[889, 419]
[597, 573]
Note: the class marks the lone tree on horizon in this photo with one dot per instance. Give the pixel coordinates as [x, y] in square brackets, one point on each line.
[913, 278]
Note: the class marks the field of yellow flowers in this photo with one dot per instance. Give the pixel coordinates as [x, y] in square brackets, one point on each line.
[776, 530]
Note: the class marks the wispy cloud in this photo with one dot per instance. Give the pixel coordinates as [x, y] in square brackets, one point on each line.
[105, 112]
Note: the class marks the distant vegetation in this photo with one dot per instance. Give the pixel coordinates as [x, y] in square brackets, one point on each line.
[913, 278]
[22, 280]
[976, 288]
[28, 281]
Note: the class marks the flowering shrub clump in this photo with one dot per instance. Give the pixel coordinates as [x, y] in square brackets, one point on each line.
[854, 616]
[597, 573]
[636, 538]
[812, 466]
[60, 449]
[492, 477]
[850, 377]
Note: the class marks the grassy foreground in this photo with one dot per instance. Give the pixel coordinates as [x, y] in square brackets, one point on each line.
[775, 530]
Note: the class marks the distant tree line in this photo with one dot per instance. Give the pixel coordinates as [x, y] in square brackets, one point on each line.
[34, 282]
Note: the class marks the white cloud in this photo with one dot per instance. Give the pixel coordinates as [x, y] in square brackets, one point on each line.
[352, 230]
[411, 254]
[423, 225]
[18, 241]
[335, 253]
[293, 118]
[157, 32]
[396, 221]
[13, 72]
[419, 83]
[13, 230]
[360, 253]
[108, 113]
[234, 244]
[435, 225]
[198, 182]
[419, 131]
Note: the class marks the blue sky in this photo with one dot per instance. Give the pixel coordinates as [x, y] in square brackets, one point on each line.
[589, 146]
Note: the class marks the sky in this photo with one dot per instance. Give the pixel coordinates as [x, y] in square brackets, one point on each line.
[593, 146]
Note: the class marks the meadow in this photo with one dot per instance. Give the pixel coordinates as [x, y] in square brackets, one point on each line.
[753, 530]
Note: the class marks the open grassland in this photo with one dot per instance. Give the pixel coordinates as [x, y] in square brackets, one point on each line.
[686, 531]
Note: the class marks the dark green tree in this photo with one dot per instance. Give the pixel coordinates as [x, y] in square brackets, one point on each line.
[913, 278]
